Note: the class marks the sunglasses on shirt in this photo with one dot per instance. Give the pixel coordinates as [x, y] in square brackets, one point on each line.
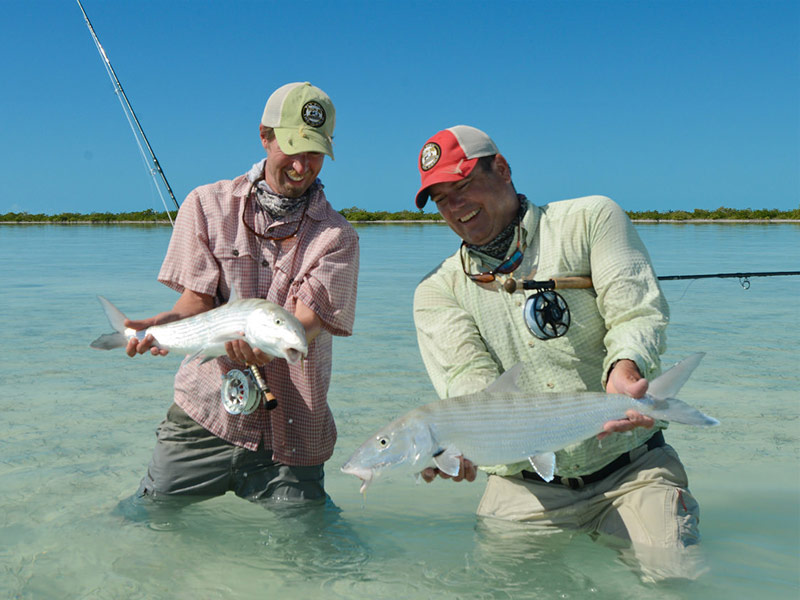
[509, 265]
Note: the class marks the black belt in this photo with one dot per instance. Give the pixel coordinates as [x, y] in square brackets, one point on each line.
[656, 441]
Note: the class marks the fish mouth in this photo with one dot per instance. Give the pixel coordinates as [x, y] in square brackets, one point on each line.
[365, 475]
[293, 355]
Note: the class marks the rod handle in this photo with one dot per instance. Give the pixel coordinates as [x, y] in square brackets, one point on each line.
[511, 285]
[572, 283]
[269, 399]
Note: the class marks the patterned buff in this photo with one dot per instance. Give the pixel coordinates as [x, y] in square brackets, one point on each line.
[499, 246]
[276, 205]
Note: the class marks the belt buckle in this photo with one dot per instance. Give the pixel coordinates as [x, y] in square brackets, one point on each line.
[573, 483]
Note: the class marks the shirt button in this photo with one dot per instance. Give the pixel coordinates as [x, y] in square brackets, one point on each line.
[235, 252]
[264, 263]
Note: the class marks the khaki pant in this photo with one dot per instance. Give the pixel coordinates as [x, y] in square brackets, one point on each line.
[646, 503]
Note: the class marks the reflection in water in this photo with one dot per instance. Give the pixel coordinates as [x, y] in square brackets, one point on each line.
[266, 545]
[547, 562]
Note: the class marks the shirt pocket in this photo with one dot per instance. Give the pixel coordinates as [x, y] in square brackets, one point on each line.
[248, 273]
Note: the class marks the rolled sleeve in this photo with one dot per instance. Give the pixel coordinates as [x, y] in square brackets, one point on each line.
[329, 288]
[190, 263]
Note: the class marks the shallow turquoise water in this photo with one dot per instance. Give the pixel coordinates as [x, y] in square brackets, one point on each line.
[77, 433]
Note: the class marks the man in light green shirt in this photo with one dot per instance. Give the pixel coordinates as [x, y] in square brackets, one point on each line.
[471, 329]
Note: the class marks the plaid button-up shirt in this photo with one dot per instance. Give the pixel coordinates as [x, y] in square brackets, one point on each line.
[212, 251]
[470, 333]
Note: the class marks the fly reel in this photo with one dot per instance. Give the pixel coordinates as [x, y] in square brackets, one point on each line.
[546, 315]
[240, 394]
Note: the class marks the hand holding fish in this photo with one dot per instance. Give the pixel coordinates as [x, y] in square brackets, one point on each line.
[625, 378]
[136, 346]
[189, 304]
[503, 425]
[240, 351]
[466, 470]
[196, 328]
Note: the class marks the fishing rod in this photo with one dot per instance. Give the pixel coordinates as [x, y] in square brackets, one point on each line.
[546, 312]
[241, 392]
[136, 128]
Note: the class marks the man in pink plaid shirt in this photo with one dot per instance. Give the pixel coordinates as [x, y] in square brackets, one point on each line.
[269, 233]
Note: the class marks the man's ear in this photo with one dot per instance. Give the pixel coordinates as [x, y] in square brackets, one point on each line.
[263, 134]
[502, 168]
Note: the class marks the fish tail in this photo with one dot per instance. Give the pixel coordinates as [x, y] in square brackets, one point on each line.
[677, 411]
[660, 402]
[109, 341]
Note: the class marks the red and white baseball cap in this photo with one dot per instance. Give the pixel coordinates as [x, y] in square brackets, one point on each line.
[450, 155]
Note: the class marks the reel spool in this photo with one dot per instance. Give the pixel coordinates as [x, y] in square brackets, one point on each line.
[240, 395]
[546, 315]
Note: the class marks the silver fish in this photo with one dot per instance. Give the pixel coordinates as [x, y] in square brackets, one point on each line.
[503, 425]
[262, 324]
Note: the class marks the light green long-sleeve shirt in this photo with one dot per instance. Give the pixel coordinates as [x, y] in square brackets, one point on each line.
[470, 333]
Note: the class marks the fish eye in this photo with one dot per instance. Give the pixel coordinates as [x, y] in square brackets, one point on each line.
[278, 322]
[383, 442]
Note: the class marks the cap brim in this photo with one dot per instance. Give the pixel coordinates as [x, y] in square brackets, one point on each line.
[291, 142]
[443, 176]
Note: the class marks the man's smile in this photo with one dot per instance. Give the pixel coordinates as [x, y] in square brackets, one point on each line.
[469, 216]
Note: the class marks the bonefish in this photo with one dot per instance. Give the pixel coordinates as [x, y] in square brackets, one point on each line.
[503, 425]
[262, 324]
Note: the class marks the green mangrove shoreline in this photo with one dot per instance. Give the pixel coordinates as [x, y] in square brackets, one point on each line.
[359, 216]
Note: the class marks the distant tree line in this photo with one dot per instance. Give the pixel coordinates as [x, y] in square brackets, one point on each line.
[359, 215]
[720, 214]
[144, 216]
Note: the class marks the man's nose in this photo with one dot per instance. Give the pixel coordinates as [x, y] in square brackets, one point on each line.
[300, 162]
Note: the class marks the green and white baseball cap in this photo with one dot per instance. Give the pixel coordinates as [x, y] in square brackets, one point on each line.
[303, 118]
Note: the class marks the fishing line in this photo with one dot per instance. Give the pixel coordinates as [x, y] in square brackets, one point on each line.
[151, 164]
[685, 290]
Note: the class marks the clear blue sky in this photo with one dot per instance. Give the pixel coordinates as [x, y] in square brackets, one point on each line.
[665, 105]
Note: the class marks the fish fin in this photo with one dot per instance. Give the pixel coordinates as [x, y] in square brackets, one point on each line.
[194, 355]
[217, 341]
[233, 295]
[448, 461]
[507, 382]
[108, 341]
[201, 353]
[669, 383]
[117, 320]
[544, 464]
[114, 315]
[222, 339]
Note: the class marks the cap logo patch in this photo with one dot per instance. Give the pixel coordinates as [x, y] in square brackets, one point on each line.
[313, 114]
[431, 153]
